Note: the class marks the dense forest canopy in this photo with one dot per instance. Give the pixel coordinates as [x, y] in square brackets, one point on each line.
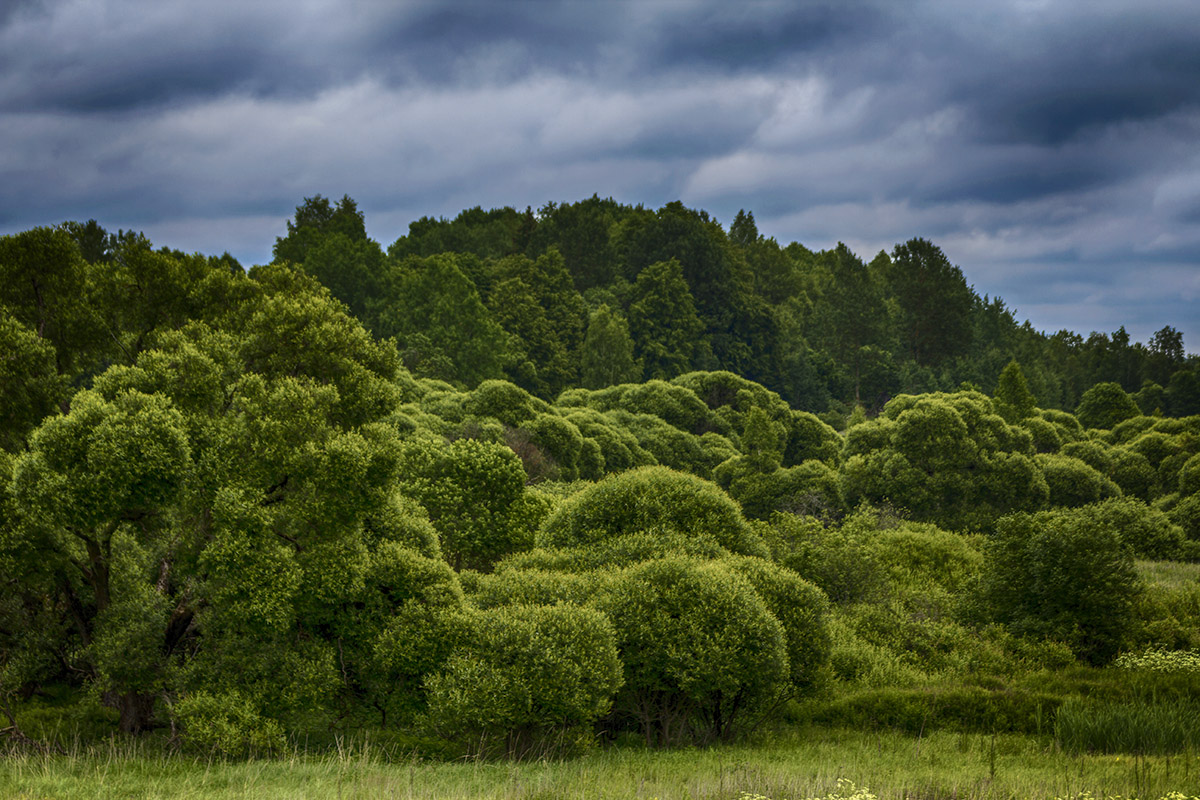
[523, 478]
[826, 330]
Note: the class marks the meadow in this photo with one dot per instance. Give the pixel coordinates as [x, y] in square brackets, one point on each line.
[803, 763]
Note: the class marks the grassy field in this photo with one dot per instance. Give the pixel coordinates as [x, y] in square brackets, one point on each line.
[797, 765]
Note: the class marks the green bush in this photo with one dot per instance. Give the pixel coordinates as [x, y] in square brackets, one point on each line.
[839, 562]
[650, 499]
[529, 681]
[225, 724]
[701, 650]
[1105, 405]
[1147, 531]
[559, 439]
[800, 607]
[1072, 482]
[475, 495]
[504, 401]
[1063, 575]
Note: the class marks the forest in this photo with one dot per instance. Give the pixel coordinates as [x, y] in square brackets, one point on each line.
[528, 484]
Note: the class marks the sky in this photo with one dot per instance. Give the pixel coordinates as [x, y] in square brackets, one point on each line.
[1051, 148]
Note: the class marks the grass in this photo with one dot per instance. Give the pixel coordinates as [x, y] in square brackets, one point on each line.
[1172, 574]
[805, 763]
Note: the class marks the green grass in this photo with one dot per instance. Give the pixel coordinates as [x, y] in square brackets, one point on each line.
[1172, 574]
[806, 763]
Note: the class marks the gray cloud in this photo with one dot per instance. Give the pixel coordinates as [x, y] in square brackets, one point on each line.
[1050, 149]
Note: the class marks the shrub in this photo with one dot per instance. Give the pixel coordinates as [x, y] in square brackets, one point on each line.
[530, 681]
[800, 607]
[841, 564]
[700, 648]
[1104, 405]
[560, 440]
[1072, 482]
[1148, 532]
[475, 495]
[504, 401]
[225, 724]
[1062, 575]
[650, 499]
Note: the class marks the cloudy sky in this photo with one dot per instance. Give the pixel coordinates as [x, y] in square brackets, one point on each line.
[1050, 147]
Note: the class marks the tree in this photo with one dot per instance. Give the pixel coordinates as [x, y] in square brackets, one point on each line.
[432, 303]
[853, 319]
[315, 220]
[607, 355]
[663, 321]
[935, 302]
[1013, 400]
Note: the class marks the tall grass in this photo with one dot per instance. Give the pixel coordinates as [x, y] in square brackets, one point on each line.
[804, 764]
[1092, 726]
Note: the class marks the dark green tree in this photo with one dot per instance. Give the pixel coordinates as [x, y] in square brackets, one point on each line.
[663, 320]
[315, 219]
[935, 302]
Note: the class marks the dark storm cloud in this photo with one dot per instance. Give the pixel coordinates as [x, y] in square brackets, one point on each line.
[1049, 147]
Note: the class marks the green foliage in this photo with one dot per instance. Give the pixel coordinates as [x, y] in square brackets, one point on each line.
[801, 608]
[225, 724]
[528, 681]
[663, 320]
[475, 494]
[920, 710]
[1104, 406]
[442, 326]
[1013, 399]
[700, 649]
[947, 459]
[1064, 575]
[32, 387]
[607, 354]
[650, 499]
[934, 299]
[1073, 482]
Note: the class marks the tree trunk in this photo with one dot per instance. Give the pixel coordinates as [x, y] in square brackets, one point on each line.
[137, 711]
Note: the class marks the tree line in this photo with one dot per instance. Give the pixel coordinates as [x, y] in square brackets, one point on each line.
[596, 292]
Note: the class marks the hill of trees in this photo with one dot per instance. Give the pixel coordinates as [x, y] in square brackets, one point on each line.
[525, 480]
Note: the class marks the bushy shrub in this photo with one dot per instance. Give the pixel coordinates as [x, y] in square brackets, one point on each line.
[1046, 438]
[559, 439]
[802, 609]
[947, 459]
[650, 499]
[619, 448]
[505, 401]
[1072, 482]
[1062, 575]
[529, 681]
[1105, 405]
[1148, 532]
[225, 724]
[475, 495]
[1134, 473]
[836, 560]
[700, 648]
